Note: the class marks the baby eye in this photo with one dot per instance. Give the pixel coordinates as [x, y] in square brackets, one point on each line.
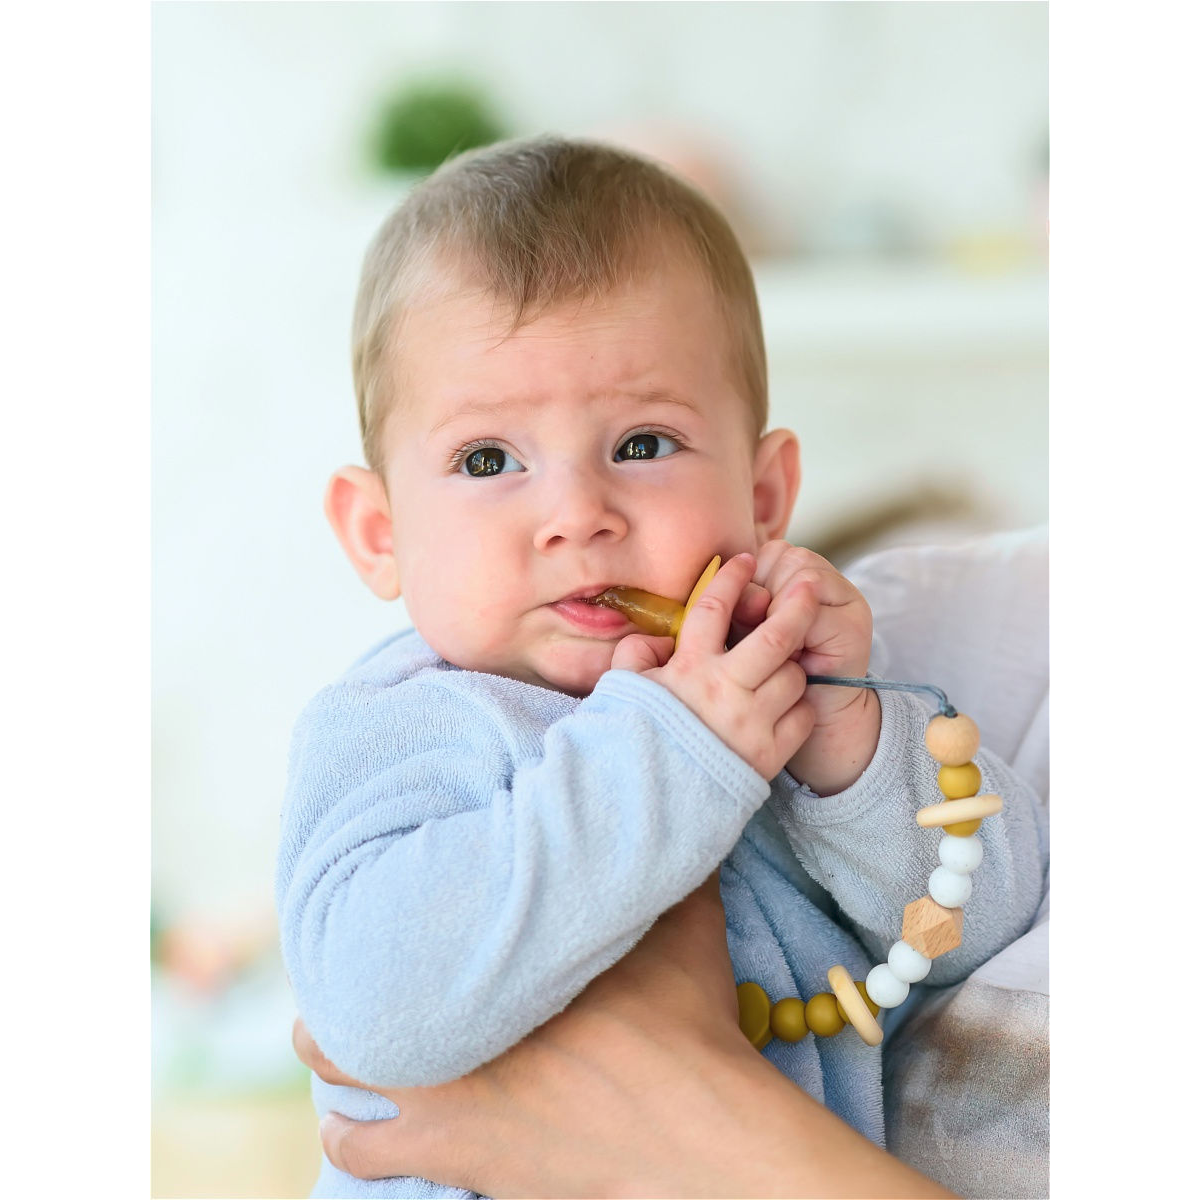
[646, 445]
[481, 461]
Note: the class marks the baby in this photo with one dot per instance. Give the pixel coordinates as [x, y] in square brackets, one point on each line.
[562, 388]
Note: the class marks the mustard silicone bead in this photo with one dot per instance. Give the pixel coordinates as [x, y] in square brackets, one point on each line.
[952, 741]
[822, 1016]
[787, 1019]
[754, 1013]
[963, 828]
[862, 991]
[956, 783]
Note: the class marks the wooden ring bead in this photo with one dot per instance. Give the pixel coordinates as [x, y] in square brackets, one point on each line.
[853, 1005]
[951, 811]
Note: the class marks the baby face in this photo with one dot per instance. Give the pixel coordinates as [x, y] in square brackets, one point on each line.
[598, 445]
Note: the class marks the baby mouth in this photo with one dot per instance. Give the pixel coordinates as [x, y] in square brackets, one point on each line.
[651, 613]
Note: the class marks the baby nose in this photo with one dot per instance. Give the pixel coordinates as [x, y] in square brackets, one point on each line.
[582, 510]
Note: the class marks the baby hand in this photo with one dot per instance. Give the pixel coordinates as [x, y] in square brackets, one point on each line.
[750, 695]
[845, 721]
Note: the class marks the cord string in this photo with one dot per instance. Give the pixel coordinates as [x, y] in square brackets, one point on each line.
[944, 706]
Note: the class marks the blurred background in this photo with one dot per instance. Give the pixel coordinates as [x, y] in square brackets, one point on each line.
[886, 166]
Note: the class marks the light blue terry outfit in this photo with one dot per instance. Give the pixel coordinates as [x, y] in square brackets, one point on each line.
[463, 853]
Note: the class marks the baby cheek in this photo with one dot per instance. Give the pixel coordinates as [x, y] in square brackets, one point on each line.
[491, 623]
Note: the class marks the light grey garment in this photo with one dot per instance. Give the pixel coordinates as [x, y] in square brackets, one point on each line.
[966, 1074]
[462, 853]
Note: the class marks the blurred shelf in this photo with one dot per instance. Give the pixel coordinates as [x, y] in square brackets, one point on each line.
[830, 309]
[919, 393]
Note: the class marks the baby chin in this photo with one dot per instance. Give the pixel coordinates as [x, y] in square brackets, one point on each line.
[575, 666]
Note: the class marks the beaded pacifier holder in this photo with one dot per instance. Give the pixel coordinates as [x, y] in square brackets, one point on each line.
[932, 925]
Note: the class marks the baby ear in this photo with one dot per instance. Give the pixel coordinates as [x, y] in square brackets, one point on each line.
[776, 482]
[357, 507]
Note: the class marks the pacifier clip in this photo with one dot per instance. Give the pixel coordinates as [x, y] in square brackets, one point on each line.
[932, 924]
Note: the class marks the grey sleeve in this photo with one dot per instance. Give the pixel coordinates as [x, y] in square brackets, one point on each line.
[865, 848]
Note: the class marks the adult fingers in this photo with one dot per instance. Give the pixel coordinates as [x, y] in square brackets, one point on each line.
[309, 1053]
[366, 1149]
[707, 625]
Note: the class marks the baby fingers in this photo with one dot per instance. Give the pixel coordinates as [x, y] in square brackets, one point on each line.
[761, 653]
[707, 625]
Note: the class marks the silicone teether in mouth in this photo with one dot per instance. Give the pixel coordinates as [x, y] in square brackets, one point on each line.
[653, 614]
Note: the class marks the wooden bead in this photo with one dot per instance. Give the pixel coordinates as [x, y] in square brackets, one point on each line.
[754, 1013]
[963, 828]
[952, 741]
[852, 1006]
[821, 1015]
[951, 811]
[787, 1019]
[957, 782]
[931, 929]
[862, 991]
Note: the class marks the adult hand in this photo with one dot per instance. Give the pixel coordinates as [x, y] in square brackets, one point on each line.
[643, 1086]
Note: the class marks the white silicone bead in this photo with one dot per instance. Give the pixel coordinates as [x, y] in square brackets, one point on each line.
[884, 988]
[949, 889]
[908, 964]
[961, 854]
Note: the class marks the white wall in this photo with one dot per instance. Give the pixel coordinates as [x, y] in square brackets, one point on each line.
[263, 205]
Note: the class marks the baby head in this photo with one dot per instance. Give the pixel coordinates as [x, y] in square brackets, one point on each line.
[561, 385]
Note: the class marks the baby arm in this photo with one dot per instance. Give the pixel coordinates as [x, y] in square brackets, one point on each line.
[866, 849]
[861, 759]
[441, 893]
[863, 844]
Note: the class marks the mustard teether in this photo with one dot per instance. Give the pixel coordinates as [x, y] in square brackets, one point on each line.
[656, 614]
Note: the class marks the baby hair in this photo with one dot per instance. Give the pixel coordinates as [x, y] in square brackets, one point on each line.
[538, 222]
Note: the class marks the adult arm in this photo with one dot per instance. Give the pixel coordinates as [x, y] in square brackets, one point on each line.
[644, 1086]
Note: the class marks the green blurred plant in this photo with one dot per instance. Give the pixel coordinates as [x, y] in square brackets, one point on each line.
[425, 123]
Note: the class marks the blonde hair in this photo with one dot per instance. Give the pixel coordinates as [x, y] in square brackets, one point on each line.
[541, 221]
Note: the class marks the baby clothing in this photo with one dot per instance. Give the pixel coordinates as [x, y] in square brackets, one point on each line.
[462, 853]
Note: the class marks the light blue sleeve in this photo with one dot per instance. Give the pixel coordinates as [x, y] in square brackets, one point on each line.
[864, 847]
[440, 895]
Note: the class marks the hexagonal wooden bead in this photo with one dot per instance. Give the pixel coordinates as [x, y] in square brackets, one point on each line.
[952, 741]
[931, 929]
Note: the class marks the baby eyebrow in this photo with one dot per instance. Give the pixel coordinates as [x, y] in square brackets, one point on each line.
[661, 396]
[498, 408]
